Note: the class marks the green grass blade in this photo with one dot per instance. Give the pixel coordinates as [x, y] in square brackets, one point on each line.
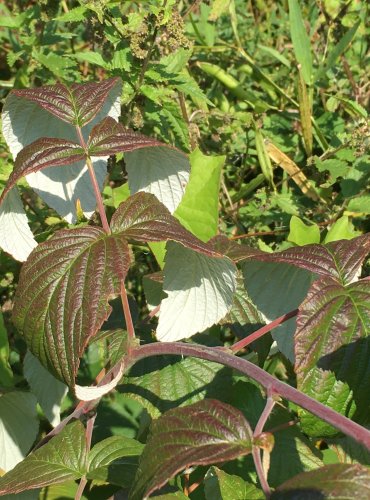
[301, 41]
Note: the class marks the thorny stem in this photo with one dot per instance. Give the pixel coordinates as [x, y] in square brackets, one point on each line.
[88, 436]
[94, 182]
[256, 453]
[262, 331]
[128, 318]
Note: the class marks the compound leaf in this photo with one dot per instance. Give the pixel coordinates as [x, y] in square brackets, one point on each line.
[332, 350]
[63, 292]
[43, 153]
[200, 291]
[62, 459]
[77, 104]
[204, 433]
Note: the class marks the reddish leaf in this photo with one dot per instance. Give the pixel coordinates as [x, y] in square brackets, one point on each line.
[336, 481]
[332, 350]
[339, 259]
[142, 217]
[43, 153]
[63, 292]
[77, 104]
[109, 137]
[204, 433]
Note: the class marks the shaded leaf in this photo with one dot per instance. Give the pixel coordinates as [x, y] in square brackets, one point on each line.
[62, 459]
[114, 460]
[162, 171]
[142, 217]
[63, 292]
[16, 237]
[219, 485]
[198, 210]
[166, 382]
[329, 482]
[6, 374]
[332, 350]
[43, 153]
[49, 391]
[204, 433]
[77, 104]
[109, 137]
[200, 291]
[18, 427]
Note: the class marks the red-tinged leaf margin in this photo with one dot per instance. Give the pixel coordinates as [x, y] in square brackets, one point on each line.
[143, 218]
[43, 153]
[109, 137]
[77, 104]
[332, 351]
[204, 433]
[340, 260]
[329, 482]
[63, 292]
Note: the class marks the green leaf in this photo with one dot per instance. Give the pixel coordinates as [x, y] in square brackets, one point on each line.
[219, 485]
[48, 390]
[43, 153]
[166, 382]
[204, 433]
[360, 204]
[55, 63]
[6, 374]
[332, 351]
[77, 104]
[348, 452]
[143, 218]
[114, 460]
[302, 234]
[342, 229]
[329, 482]
[198, 210]
[73, 15]
[200, 291]
[63, 292]
[91, 58]
[62, 459]
[338, 49]
[300, 39]
[162, 171]
[18, 427]
[16, 237]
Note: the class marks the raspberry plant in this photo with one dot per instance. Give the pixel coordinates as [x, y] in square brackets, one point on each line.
[62, 307]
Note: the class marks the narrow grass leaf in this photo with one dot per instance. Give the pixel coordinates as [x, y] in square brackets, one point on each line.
[300, 39]
[305, 111]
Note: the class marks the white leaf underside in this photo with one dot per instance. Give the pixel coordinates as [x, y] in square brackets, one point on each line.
[277, 289]
[200, 292]
[18, 427]
[160, 170]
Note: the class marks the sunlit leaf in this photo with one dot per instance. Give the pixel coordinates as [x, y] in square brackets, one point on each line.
[43, 153]
[77, 104]
[219, 485]
[204, 433]
[63, 292]
[143, 218]
[200, 291]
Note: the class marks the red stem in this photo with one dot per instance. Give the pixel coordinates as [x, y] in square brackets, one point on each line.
[88, 436]
[128, 318]
[262, 331]
[95, 185]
